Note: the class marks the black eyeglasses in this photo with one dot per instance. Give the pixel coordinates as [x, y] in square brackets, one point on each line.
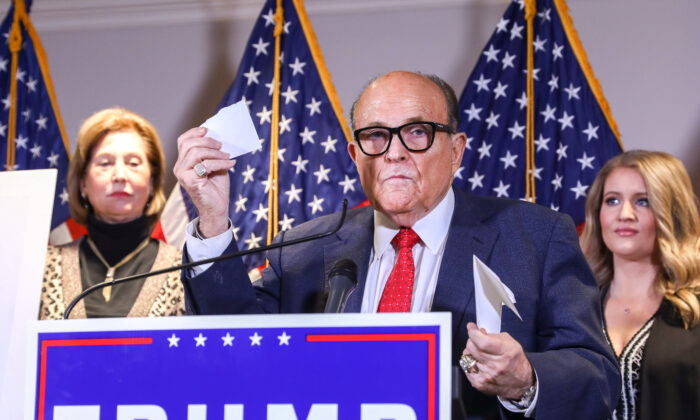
[415, 136]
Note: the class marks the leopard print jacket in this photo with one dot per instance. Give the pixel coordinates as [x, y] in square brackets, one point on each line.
[161, 295]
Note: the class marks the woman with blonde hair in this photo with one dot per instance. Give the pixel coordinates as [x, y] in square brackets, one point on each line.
[115, 187]
[641, 240]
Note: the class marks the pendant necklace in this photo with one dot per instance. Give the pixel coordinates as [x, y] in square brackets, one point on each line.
[107, 290]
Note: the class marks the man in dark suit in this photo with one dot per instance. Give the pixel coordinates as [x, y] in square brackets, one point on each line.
[414, 249]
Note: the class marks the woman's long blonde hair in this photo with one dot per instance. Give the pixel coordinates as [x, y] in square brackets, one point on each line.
[675, 209]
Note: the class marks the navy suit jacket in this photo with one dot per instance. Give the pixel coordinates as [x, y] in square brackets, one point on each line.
[533, 250]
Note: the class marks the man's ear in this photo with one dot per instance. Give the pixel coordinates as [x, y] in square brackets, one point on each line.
[352, 150]
[459, 143]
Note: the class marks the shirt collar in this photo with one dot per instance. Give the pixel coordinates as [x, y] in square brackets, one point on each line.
[431, 228]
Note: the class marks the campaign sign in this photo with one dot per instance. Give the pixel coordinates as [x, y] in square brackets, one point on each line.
[314, 367]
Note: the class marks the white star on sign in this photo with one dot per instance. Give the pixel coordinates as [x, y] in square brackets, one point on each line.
[473, 113]
[300, 164]
[252, 76]
[254, 241]
[248, 174]
[501, 190]
[2, 129]
[522, 100]
[316, 204]
[271, 87]
[286, 223]
[553, 83]
[20, 75]
[235, 230]
[538, 171]
[348, 184]
[481, 84]
[3, 64]
[585, 161]
[290, 95]
[200, 340]
[491, 54]
[484, 150]
[329, 144]
[293, 193]
[322, 174]
[286, 28]
[516, 130]
[265, 115]
[255, 339]
[314, 107]
[475, 180]
[591, 132]
[26, 113]
[492, 120]
[535, 73]
[565, 121]
[173, 340]
[572, 91]
[458, 174]
[500, 90]
[284, 338]
[557, 181]
[544, 15]
[297, 66]
[280, 154]
[260, 213]
[228, 339]
[260, 47]
[508, 61]
[579, 189]
[6, 102]
[508, 160]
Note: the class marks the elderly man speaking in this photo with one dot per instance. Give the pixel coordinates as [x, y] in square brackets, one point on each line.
[414, 249]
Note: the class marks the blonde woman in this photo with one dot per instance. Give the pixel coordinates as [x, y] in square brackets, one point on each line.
[641, 240]
[115, 187]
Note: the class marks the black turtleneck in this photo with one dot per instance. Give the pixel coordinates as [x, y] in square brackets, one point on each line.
[115, 241]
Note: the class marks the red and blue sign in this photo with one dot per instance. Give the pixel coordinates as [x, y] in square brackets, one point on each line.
[347, 366]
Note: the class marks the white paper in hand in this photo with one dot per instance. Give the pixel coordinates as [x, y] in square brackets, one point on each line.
[490, 295]
[233, 127]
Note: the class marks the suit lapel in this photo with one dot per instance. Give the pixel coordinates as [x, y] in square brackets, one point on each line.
[467, 236]
[354, 242]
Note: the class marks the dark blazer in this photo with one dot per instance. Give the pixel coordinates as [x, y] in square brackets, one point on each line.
[669, 384]
[534, 251]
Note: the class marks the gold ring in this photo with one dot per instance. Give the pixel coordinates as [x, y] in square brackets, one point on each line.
[468, 363]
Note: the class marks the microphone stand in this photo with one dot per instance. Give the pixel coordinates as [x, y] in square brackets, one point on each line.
[208, 260]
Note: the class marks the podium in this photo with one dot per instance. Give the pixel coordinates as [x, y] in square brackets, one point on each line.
[305, 366]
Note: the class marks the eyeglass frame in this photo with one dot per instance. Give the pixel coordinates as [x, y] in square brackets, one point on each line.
[397, 130]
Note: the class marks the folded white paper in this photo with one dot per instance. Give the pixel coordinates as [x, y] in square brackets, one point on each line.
[233, 127]
[490, 295]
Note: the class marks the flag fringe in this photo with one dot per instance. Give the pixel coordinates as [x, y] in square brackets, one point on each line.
[577, 47]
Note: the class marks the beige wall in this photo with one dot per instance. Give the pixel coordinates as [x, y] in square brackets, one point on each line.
[173, 63]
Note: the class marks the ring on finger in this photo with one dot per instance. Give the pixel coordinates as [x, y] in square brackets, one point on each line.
[468, 364]
[200, 170]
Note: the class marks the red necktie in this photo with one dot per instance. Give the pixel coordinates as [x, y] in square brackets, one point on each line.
[399, 287]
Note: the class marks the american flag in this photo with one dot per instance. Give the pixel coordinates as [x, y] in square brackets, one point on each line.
[315, 171]
[39, 139]
[574, 132]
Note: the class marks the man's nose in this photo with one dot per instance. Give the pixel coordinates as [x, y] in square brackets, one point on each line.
[396, 151]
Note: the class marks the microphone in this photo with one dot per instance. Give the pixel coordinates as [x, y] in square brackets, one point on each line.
[342, 280]
[99, 286]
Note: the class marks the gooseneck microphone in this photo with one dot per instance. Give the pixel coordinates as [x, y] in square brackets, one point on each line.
[208, 260]
[341, 280]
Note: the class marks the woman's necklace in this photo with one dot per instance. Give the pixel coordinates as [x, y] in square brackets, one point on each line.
[107, 290]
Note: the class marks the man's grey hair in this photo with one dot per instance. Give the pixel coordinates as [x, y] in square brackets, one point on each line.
[447, 91]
